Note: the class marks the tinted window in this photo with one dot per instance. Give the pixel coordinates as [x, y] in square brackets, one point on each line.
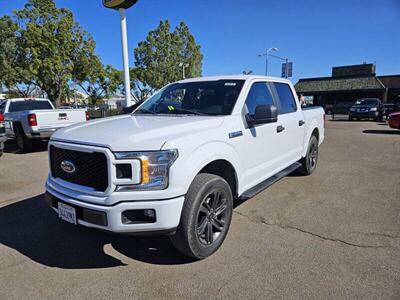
[202, 97]
[369, 102]
[259, 94]
[28, 105]
[2, 107]
[287, 104]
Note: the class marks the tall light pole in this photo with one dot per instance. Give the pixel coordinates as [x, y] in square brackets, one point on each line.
[266, 58]
[125, 57]
[183, 66]
[122, 5]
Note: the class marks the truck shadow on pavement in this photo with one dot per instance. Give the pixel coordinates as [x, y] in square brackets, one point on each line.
[31, 228]
[376, 131]
[12, 147]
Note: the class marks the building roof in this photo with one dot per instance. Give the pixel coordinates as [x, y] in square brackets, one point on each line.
[329, 84]
[390, 81]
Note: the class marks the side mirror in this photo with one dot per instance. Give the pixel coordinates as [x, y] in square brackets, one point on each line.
[263, 114]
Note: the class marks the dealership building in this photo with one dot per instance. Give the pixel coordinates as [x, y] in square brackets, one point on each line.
[349, 83]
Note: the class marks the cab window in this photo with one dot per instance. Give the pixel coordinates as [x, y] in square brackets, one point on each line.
[259, 94]
[29, 105]
[287, 104]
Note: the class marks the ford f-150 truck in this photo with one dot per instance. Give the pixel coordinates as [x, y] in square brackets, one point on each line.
[32, 119]
[177, 163]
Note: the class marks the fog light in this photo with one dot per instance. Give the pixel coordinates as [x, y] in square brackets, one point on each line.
[150, 213]
[138, 216]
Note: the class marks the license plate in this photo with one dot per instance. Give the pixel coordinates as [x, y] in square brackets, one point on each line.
[66, 213]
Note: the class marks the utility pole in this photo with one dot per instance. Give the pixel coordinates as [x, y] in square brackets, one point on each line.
[183, 66]
[286, 60]
[125, 57]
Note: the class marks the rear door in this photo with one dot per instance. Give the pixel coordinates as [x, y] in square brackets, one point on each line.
[291, 124]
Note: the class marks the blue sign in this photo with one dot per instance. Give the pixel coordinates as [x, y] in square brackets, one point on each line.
[287, 70]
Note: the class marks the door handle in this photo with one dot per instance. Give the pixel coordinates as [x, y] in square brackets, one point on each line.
[301, 123]
[280, 128]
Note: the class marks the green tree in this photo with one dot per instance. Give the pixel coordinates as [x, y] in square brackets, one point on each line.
[157, 58]
[99, 82]
[50, 45]
[13, 73]
[140, 90]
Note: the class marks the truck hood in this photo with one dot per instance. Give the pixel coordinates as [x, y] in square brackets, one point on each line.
[135, 133]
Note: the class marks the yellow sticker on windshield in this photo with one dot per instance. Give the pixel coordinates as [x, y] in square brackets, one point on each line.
[170, 107]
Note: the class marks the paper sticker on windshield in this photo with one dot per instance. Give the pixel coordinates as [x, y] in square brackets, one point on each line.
[230, 83]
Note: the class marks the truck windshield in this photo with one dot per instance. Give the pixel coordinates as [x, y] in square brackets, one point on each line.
[195, 98]
[29, 105]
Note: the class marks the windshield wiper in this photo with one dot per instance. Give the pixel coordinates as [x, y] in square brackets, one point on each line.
[189, 111]
[144, 111]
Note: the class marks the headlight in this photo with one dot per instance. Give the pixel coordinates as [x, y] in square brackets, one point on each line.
[373, 109]
[154, 168]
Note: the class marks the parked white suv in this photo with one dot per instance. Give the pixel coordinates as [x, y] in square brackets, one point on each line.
[177, 163]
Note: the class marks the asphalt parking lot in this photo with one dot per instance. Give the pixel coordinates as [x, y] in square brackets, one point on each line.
[335, 234]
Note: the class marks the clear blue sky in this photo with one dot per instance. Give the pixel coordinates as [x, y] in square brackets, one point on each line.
[314, 34]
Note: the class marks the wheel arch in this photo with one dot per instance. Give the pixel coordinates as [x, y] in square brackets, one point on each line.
[313, 130]
[224, 169]
[224, 162]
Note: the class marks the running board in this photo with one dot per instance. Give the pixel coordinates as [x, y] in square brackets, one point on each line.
[250, 193]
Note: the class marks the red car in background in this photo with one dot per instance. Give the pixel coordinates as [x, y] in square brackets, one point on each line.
[394, 120]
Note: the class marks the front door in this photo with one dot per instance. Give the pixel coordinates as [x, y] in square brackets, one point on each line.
[259, 148]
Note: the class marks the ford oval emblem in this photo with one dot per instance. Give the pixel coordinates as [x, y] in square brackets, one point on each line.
[68, 166]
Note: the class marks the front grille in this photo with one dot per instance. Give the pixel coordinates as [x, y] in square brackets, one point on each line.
[90, 168]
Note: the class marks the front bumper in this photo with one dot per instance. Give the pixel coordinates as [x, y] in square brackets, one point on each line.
[364, 115]
[109, 218]
[394, 123]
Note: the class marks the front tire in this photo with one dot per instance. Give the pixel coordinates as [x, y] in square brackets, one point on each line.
[309, 162]
[206, 217]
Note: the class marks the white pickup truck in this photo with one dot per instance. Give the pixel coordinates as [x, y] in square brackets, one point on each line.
[3, 136]
[32, 119]
[178, 162]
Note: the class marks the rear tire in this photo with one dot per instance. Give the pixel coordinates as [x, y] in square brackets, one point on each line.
[309, 162]
[24, 144]
[351, 118]
[206, 217]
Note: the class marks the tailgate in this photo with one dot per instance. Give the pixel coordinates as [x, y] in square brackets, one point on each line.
[59, 118]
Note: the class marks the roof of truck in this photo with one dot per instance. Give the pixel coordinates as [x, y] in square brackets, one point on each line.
[28, 99]
[235, 77]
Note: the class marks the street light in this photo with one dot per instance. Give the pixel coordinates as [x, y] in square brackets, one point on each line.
[121, 5]
[266, 58]
[183, 66]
